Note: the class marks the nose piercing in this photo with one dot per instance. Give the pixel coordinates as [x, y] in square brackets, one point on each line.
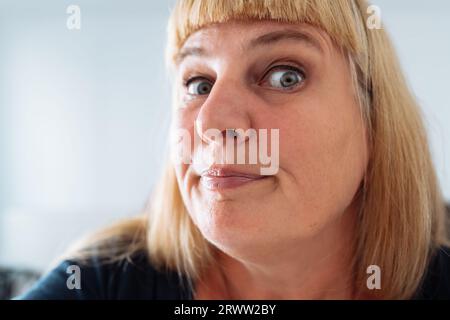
[232, 133]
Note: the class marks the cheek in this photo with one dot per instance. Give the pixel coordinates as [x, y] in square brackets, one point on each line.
[181, 144]
[182, 137]
[323, 153]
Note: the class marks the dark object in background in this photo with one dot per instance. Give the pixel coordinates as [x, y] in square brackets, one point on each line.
[448, 220]
[15, 282]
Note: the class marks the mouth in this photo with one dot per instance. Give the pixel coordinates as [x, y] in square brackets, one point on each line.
[221, 178]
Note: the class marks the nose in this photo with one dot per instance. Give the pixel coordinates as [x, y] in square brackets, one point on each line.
[226, 109]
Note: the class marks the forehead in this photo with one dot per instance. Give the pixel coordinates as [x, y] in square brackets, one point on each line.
[245, 34]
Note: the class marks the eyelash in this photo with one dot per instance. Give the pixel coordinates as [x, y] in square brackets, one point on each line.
[300, 70]
[188, 80]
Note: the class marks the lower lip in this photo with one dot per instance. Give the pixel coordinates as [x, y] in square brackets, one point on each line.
[220, 183]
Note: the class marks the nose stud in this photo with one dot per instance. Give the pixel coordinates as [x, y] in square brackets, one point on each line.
[232, 133]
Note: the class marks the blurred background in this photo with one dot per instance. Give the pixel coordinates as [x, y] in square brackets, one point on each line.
[84, 115]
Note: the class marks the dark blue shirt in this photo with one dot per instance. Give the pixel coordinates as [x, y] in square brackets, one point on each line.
[138, 279]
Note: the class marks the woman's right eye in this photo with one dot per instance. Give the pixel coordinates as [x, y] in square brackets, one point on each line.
[199, 86]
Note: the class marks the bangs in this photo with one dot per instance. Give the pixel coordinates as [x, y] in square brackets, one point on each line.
[341, 19]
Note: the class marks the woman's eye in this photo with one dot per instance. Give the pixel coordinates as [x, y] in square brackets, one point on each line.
[199, 87]
[285, 78]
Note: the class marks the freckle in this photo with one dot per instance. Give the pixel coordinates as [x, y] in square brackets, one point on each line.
[313, 225]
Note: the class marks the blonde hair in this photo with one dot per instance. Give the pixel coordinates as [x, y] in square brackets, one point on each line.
[401, 221]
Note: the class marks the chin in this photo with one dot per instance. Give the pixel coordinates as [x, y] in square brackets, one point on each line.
[229, 220]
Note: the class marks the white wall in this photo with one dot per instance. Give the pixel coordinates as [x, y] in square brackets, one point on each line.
[421, 34]
[84, 114]
[84, 119]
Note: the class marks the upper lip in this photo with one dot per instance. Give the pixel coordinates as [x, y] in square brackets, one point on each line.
[227, 171]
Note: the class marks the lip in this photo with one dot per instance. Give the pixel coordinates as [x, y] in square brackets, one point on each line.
[220, 178]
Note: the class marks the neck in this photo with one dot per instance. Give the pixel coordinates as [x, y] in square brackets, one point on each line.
[317, 268]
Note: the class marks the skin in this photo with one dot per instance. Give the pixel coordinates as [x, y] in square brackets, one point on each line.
[291, 235]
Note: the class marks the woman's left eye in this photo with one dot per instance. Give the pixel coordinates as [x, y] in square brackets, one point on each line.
[284, 78]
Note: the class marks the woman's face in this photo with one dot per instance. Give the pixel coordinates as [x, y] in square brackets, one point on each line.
[268, 75]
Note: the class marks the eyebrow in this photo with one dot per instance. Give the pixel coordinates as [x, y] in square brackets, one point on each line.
[189, 51]
[282, 35]
[263, 40]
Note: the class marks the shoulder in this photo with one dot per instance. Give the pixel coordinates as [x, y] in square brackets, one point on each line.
[436, 282]
[133, 278]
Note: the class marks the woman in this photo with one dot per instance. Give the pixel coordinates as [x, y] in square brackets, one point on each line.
[348, 207]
